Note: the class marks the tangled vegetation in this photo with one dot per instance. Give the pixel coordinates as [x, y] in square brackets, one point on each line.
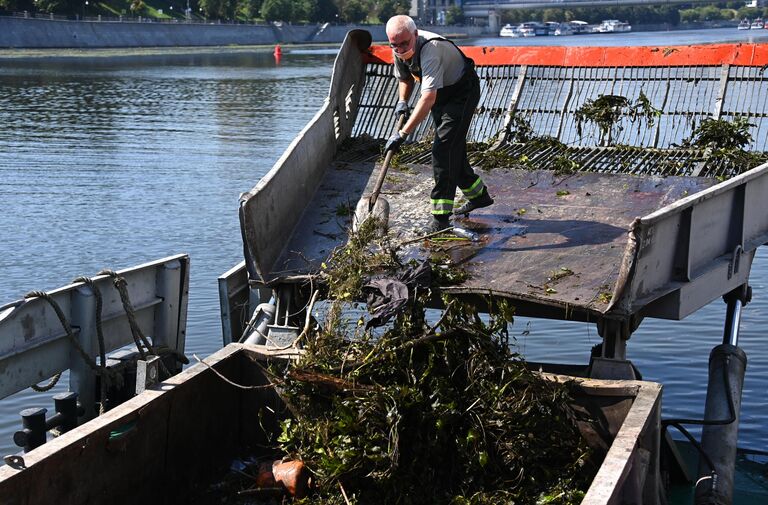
[607, 111]
[442, 413]
[716, 148]
[726, 141]
[722, 134]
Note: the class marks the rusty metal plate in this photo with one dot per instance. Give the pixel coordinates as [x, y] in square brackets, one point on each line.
[550, 240]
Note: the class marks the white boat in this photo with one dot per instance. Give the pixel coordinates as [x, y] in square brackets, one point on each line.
[508, 31]
[578, 27]
[744, 24]
[532, 29]
[613, 26]
[562, 29]
[757, 24]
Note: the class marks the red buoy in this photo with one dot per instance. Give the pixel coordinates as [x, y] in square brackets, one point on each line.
[278, 53]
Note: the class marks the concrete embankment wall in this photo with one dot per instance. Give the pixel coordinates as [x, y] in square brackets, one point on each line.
[44, 33]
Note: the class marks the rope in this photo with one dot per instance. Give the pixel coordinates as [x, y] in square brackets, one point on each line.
[231, 382]
[138, 336]
[51, 383]
[101, 371]
[100, 337]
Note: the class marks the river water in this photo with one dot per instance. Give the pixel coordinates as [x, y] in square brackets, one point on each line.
[108, 160]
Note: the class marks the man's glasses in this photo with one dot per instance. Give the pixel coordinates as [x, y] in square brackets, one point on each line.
[400, 45]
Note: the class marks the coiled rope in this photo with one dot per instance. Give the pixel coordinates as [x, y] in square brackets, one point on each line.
[101, 371]
[138, 336]
[139, 339]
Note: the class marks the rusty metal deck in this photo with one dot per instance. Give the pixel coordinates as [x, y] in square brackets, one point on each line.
[549, 240]
[643, 228]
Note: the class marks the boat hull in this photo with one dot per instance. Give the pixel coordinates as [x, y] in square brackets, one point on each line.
[170, 443]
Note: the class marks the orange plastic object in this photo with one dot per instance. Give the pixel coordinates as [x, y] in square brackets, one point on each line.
[755, 55]
[291, 475]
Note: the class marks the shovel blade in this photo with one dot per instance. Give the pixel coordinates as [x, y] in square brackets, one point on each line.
[363, 211]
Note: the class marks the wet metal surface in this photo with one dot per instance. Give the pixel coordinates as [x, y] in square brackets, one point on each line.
[548, 240]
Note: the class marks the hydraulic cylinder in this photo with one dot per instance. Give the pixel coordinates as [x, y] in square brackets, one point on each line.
[719, 436]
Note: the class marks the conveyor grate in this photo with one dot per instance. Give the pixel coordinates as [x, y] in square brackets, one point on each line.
[547, 97]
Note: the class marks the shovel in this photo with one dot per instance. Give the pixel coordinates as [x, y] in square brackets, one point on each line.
[372, 205]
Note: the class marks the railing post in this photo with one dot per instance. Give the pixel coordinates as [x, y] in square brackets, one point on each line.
[82, 378]
[166, 330]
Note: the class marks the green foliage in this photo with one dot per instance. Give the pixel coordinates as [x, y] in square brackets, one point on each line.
[251, 9]
[454, 15]
[389, 8]
[519, 128]
[303, 10]
[137, 7]
[326, 10]
[18, 5]
[607, 111]
[722, 134]
[65, 7]
[562, 165]
[449, 415]
[277, 10]
[706, 13]
[748, 12]
[220, 9]
[354, 11]
[726, 141]
[553, 15]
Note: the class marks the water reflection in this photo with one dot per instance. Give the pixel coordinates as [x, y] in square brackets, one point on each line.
[111, 162]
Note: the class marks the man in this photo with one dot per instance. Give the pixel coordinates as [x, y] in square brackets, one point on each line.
[450, 91]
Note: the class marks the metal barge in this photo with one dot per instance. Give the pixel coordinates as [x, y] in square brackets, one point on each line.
[654, 232]
[647, 231]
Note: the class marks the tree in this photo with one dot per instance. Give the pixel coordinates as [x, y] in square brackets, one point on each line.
[17, 5]
[138, 7]
[454, 15]
[389, 8]
[552, 15]
[68, 7]
[305, 10]
[250, 8]
[277, 10]
[354, 11]
[220, 9]
[748, 12]
[326, 11]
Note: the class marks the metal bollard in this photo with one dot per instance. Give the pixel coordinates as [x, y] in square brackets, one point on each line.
[36, 426]
[33, 433]
[67, 412]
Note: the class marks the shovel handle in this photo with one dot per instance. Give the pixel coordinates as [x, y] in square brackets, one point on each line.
[384, 168]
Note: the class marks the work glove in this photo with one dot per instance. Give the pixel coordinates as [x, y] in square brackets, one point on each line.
[402, 108]
[394, 142]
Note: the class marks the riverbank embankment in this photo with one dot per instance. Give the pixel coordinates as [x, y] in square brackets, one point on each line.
[43, 33]
[37, 33]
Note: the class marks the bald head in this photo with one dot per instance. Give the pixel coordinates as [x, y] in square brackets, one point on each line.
[399, 24]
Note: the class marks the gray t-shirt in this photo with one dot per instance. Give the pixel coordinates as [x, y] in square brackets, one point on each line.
[441, 63]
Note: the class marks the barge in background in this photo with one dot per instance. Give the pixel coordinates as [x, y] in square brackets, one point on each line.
[653, 232]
